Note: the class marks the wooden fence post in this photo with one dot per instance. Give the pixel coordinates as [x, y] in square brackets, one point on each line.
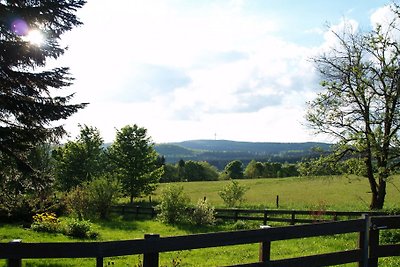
[15, 262]
[137, 211]
[293, 219]
[363, 241]
[264, 254]
[99, 262]
[235, 215]
[265, 219]
[373, 245]
[151, 259]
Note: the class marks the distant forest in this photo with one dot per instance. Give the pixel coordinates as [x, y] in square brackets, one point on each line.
[220, 152]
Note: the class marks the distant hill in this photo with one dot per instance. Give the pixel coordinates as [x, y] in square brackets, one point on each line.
[220, 152]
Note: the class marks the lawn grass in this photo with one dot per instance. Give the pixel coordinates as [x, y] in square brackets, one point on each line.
[342, 193]
[129, 228]
[333, 193]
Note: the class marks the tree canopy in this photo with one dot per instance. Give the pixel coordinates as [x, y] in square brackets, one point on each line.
[29, 109]
[360, 101]
[136, 162]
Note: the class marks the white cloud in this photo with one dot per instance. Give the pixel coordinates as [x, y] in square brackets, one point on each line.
[189, 72]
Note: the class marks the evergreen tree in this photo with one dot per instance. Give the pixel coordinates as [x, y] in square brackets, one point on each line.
[28, 109]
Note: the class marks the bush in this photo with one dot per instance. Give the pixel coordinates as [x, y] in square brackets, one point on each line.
[240, 225]
[46, 222]
[233, 194]
[203, 213]
[103, 192]
[77, 202]
[80, 229]
[174, 205]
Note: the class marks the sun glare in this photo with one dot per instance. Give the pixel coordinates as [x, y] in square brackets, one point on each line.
[35, 37]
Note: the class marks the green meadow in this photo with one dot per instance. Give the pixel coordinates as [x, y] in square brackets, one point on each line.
[330, 193]
[344, 193]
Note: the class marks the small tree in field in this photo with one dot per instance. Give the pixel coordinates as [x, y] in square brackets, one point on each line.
[233, 194]
[135, 161]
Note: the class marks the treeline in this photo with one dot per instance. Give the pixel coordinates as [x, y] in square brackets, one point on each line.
[186, 171]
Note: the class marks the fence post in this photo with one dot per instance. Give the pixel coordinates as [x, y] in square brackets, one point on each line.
[99, 262]
[265, 219]
[151, 259]
[293, 219]
[363, 241]
[137, 211]
[14, 262]
[235, 215]
[264, 254]
[373, 245]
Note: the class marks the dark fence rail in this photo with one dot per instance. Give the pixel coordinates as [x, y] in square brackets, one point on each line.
[365, 254]
[263, 215]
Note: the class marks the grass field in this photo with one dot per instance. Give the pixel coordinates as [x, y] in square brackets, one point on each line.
[333, 193]
[347, 193]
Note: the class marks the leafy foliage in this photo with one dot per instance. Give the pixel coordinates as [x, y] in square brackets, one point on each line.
[79, 161]
[234, 169]
[80, 229]
[203, 213]
[360, 102]
[135, 161]
[173, 206]
[233, 193]
[103, 192]
[78, 202]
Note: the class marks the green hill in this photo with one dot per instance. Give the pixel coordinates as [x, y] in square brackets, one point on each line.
[220, 152]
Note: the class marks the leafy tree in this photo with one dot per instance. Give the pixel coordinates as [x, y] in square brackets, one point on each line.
[197, 171]
[136, 161]
[28, 108]
[360, 103]
[234, 169]
[80, 160]
[254, 169]
[170, 174]
[233, 193]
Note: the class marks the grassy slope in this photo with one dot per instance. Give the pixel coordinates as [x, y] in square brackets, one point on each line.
[335, 193]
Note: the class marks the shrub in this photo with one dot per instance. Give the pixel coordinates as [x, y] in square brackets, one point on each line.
[46, 222]
[173, 206]
[80, 229]
[77, 202]
[203, 213]
[240, 225]
[103, 192]
[233, 193]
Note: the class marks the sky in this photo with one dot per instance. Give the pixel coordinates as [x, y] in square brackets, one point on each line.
[210, 69]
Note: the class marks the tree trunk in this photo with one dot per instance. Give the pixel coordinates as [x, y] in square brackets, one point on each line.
[131, 199]
[380, 196]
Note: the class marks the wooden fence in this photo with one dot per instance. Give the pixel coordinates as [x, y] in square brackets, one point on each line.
[263, 215]
[365, 254]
